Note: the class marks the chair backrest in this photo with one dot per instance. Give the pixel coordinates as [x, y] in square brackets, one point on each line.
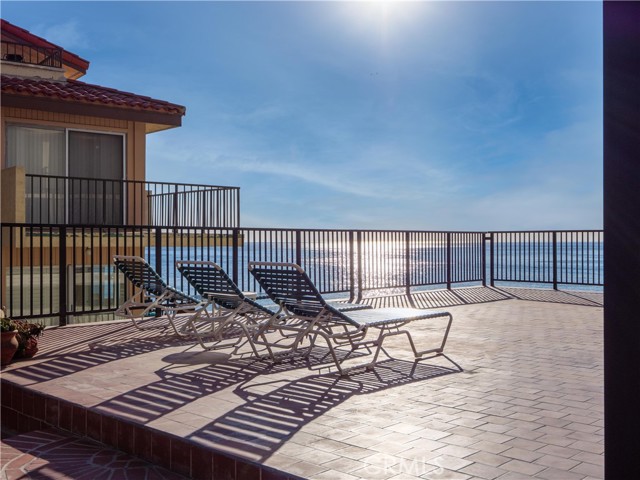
[209, 277]
[287, 284]
[140, 273]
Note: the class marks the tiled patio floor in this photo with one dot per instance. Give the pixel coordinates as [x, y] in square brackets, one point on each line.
[529, 403]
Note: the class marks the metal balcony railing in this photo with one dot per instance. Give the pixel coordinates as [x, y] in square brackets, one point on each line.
[56, 200]
[31, 54]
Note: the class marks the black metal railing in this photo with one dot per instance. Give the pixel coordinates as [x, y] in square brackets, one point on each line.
[89, 201]
[31, 54]
[567, 257]
[66, 272]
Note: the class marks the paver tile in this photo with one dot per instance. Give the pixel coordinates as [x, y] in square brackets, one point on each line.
[589, 458]
[483, 471]
[459, 440]
[557, 462]
[524, 468]
[589, 469]
[521, 454]
[448, 462]
[334, 475]
[344, 464]
[445, 474]
[456, 451]
[555, 474]
[590, 447]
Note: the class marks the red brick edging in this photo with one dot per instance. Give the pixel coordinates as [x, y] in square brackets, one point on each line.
[24, 410]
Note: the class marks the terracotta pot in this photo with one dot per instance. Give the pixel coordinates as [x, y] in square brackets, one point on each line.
[8, 346]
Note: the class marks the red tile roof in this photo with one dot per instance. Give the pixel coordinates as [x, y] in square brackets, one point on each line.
[13, 33]
[76, 91]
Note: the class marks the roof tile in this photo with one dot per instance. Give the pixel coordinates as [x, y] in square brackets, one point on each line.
[76, 91]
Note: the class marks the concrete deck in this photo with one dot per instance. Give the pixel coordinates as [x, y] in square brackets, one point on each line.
[529, 403]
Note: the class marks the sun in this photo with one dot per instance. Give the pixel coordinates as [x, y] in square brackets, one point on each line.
[380, 20]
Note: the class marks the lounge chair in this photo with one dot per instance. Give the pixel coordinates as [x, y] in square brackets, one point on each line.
[152, 297]
[288, 285]
[232, 307]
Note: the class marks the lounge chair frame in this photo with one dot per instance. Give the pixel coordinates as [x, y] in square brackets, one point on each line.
[289, 286]
[231, 307]
[152, 295]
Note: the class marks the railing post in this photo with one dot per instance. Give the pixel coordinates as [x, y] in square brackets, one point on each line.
[158, 250]
[299, 247]
[555, 260]
[65, 187]
[359, 260]
[484, 258]
[352, 277]
[492, 259]
[237, 207]
[201, 204]
[158, 253]
[62, 241]
[175, 206]
[407, 263]
[234, 255]
[448, 260]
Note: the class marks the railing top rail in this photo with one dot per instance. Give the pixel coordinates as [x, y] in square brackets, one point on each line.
[252, 229]
[547, 231]
[356, 230]
[62, 177]
[187, 192]
[279, 229]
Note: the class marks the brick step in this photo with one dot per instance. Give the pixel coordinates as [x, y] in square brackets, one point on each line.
[53, 453]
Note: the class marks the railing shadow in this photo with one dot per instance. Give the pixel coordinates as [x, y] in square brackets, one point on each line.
[439, 298]
[260, 426]
[68, 350]
[589, 299]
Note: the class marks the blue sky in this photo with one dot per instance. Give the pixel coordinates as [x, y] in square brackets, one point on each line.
[390, 115]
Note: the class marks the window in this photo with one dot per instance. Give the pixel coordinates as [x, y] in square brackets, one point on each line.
[41, 151]
[95, 162]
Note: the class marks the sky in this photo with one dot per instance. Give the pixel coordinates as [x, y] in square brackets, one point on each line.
[458, 116]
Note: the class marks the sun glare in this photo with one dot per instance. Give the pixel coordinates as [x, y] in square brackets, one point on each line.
[380, 20]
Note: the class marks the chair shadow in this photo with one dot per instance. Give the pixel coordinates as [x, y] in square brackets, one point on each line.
[259, 427]
[176, 388]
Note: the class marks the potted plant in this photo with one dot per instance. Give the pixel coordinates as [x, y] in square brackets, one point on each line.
[27, 337]
[9, 342]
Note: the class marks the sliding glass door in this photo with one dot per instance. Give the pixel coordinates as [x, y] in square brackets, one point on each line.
[96, 196]
[94, 193]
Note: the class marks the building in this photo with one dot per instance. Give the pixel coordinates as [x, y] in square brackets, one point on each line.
[54, 125]
[74, 181]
